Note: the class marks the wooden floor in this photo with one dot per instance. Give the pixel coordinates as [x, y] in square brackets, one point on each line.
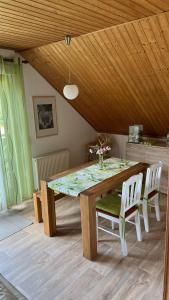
[45, 268]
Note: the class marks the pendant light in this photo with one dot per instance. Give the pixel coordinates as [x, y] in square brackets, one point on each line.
[70, 91]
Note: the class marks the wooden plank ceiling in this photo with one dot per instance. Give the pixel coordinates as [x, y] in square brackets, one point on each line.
[119, 56]
[31, 23]
[122, 73]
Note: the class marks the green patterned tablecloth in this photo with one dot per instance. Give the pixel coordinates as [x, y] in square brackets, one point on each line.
[77, 182]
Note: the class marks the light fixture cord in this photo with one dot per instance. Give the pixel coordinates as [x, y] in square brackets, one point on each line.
[69, 75]
[68, 41]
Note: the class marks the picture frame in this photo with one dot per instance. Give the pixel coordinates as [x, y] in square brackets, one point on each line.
[135, 134]
[45, 116]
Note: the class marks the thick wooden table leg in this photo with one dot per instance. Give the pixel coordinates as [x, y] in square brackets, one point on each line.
[88, 221]
[37, 208]
[48, 204]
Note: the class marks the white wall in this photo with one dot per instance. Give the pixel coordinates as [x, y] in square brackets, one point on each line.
[73, 131]
[7, 53]
[119, 145]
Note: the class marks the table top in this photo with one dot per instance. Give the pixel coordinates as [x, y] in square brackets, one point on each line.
[86, 178]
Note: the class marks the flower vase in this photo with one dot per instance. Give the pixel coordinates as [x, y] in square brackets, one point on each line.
[101, 162]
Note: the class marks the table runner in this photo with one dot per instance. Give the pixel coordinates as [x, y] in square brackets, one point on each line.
[79, 181]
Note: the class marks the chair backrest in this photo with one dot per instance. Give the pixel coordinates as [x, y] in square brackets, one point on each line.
[131, 193]
[153, 177]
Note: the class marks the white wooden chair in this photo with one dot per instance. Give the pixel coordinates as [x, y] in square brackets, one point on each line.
[151, 192]
[121, 209]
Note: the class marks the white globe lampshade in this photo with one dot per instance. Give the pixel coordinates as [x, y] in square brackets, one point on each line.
[71, 91]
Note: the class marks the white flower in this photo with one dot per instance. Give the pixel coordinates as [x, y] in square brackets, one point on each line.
[108, 148]
[100, 151]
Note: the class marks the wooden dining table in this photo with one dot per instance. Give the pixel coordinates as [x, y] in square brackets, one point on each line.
[87, 204]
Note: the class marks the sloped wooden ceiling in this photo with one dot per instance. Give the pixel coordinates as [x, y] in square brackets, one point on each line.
[119, 56]
[122, 73]
[31, 23]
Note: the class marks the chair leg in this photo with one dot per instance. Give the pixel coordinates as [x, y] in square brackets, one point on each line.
[145, 215]
[37, 208]
[122, 239]
[97, 224]
[112, 225]
[138, 227]
[157, 208]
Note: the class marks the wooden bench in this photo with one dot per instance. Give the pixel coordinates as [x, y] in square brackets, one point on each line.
[38, 209]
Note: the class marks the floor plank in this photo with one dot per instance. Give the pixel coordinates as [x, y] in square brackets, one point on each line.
[44, 268]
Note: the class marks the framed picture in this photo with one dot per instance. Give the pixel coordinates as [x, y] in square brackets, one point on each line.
[135, 133]
[45, 115]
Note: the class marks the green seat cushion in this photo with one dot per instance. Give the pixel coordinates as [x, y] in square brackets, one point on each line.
[110, 203]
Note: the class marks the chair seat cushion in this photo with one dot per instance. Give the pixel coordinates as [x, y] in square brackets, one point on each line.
[110, 204]
[150, 195]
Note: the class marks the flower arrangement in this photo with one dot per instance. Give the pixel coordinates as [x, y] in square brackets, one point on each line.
[100, 149]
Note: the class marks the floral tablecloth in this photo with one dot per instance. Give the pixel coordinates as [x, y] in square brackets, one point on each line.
[77, 182]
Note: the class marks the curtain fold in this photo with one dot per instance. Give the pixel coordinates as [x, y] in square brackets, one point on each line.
[15, 146]
[3, 202]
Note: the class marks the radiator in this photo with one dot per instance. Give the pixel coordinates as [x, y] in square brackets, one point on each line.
[49, 164]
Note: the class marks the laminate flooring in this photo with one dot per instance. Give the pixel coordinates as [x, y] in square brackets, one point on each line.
[44, 268]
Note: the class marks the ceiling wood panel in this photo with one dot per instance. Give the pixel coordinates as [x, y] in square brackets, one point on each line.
[122, 73]
[31, 23]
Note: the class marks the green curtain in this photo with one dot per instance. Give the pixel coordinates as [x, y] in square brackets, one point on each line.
[15, 146]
